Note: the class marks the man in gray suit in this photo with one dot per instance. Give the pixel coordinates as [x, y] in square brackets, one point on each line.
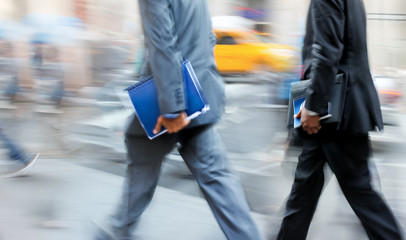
[335, 42]
[175, 30]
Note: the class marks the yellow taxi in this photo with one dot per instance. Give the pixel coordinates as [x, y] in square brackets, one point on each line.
[241, 51]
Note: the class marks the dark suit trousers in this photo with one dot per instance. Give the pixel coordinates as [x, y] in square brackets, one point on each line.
[347, 155]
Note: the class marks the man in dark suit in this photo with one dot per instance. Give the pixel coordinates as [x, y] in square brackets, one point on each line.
[174, 30]
[335, 42]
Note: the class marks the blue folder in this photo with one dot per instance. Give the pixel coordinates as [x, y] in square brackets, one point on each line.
[144, 97]
[299, 103]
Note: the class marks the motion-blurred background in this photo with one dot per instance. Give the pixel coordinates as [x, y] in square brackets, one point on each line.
[64, 65]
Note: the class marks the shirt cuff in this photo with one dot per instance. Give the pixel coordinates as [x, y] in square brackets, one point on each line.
[311, 113]
[171, 115]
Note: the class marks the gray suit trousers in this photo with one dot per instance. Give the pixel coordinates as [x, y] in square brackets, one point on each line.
[203, 152]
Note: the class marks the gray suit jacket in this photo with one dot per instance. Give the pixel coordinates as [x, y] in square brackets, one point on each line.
[335, 42]
[175, 30]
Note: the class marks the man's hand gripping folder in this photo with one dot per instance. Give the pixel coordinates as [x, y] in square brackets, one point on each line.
[144, 97]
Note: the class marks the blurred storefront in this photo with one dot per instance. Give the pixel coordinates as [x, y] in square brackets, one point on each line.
[116, 23]
[79, 29]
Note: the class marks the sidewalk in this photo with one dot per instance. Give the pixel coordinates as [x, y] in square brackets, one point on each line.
[59, 200]
[75, 196]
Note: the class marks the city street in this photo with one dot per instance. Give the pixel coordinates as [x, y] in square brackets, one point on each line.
[77, 180]
[65, 66]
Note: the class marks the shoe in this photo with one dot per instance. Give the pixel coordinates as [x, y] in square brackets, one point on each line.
[23, 170]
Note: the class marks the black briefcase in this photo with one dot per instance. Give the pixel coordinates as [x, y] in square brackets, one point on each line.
[335, 105]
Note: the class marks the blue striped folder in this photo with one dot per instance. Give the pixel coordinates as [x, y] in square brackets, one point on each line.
[144, 97]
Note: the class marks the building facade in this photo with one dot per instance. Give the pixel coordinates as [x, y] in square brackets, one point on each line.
[387, 34]
[119, 19]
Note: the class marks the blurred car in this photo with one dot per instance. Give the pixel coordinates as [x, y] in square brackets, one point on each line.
[241, 51]
[389, 95]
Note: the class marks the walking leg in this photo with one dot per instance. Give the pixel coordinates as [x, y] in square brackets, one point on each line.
[204, 154]
[144, 166]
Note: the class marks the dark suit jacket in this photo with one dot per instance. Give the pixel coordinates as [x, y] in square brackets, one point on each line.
[335, 41]
[174, 30]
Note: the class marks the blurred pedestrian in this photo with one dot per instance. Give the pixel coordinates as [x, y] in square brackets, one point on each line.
[175, 30]
[8, 72]
[51, 76]
[21, 161]
[37, 56]
[335, 42]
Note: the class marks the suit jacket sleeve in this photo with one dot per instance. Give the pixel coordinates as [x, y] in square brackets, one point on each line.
[328, 22]
[163, 56]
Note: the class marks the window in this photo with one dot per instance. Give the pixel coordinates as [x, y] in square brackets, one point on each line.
[227, 40]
